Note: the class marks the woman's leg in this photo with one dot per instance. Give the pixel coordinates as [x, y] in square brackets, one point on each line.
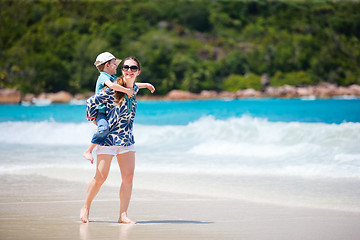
[127, 167]
[102, 171]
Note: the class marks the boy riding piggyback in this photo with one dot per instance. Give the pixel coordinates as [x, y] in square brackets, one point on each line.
[107, 64]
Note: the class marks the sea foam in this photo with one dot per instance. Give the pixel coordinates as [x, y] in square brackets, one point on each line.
[304, 164]
[238, 146]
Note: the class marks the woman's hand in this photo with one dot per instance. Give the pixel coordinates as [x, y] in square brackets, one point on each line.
[129, 92]
[150, 87]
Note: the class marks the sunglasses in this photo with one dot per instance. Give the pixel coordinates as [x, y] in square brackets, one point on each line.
[132, 68]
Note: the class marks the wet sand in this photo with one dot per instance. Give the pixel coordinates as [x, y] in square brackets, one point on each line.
[41, 208]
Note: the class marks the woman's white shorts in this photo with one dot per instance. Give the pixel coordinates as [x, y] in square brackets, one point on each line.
[114, 150]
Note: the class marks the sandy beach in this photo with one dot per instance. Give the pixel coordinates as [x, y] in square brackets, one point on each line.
[35, 207]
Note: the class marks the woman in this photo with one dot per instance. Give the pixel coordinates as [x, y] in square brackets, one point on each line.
[120, 140]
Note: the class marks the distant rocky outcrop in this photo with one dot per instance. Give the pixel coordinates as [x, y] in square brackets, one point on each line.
[324, 90]
[8, 95]
[59, 97]
[28, 97]
[180, 95]
[13, 96]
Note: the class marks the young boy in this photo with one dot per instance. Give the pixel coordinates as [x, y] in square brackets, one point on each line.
[106, 63]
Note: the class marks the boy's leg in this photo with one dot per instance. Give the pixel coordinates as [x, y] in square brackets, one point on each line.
[99, 137]
[102, 131]
[88, 153]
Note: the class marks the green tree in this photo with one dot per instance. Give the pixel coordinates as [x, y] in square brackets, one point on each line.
[300, 78]
[190, 45]
[236, 82]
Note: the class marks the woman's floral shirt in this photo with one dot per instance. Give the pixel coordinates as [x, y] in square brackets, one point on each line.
[120, 117]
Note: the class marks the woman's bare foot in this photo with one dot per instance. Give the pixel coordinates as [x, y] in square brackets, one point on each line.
[88, 156]
[84, 215]
[125, 219]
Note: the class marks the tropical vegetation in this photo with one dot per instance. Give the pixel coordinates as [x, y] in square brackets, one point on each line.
[48, 46]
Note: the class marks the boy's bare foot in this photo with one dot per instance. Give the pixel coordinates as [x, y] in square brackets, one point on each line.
[88, 156]
[125, 219]
[84, 215]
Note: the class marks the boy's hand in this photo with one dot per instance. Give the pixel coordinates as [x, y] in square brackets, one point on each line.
[150, 87]
[129, 92]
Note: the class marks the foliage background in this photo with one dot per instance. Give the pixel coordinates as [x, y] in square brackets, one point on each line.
[48, 46]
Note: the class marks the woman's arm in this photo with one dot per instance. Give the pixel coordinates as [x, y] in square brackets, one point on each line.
[146, 85]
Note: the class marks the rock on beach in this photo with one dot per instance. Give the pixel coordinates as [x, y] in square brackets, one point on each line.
[180, 95]
[324, 90]
[8, 95]
[59, 97]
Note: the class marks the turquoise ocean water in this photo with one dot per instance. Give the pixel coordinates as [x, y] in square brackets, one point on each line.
[299, 152]
[184, 112]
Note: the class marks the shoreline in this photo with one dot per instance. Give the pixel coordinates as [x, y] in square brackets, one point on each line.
[35, 207]
[325, 90]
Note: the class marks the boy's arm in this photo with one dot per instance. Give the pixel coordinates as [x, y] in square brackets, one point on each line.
[146, 85]
[119, 88]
